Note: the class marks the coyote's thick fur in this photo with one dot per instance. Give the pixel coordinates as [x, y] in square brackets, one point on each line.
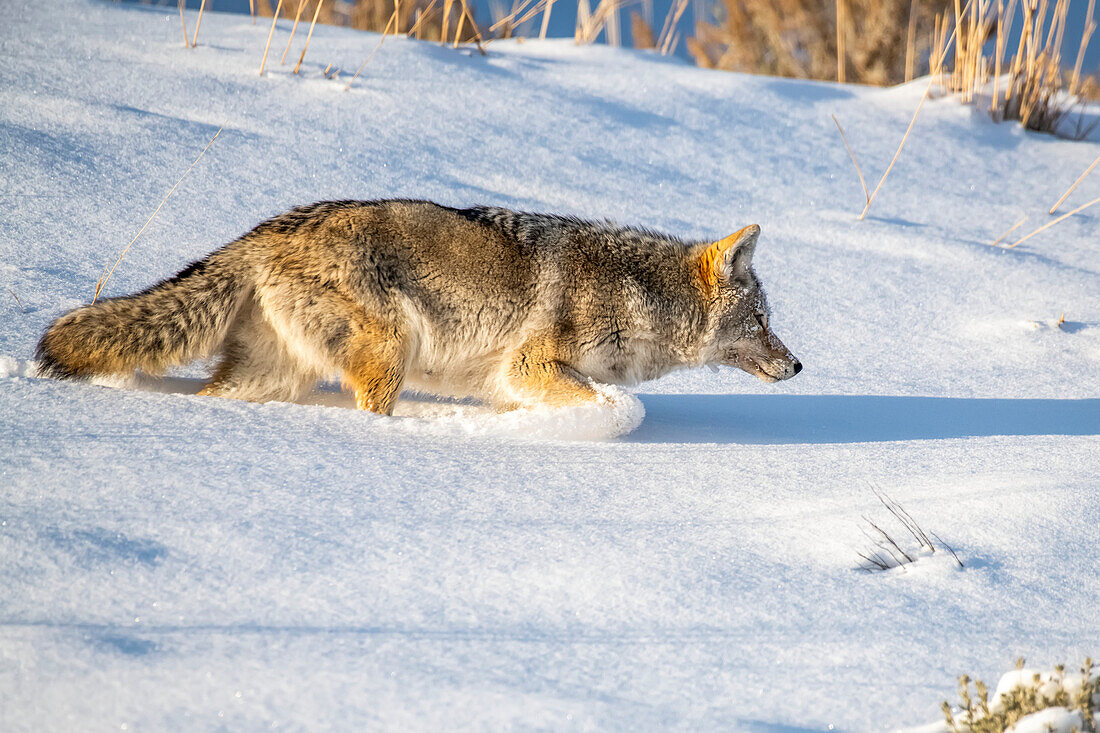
[509, 307]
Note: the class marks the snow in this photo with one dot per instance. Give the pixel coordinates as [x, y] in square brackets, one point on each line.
[172, 561]
[1051, 720]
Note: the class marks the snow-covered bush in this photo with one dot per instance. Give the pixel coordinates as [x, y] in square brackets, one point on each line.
[1029, 701]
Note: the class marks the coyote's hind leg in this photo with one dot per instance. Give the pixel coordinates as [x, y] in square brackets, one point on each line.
[333, 332]
[256, 365]
[374, 363]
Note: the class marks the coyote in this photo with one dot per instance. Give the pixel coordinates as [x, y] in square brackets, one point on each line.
[513, 308]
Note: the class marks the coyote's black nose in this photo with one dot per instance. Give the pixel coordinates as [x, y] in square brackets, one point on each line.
[797, 367]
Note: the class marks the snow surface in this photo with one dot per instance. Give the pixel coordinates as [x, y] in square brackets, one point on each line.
[176, 562]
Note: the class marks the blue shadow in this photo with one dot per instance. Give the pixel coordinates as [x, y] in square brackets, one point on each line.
[780, 419]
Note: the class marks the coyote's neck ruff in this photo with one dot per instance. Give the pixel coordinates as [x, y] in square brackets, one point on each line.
[509, 307]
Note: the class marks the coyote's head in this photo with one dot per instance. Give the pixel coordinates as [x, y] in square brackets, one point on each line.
[738, 332]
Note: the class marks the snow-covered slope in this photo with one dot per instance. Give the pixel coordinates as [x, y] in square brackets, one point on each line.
[169, 561]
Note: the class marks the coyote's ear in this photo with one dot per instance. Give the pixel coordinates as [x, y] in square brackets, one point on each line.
[731, 256]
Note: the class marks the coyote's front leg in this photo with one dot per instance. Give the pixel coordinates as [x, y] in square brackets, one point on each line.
[534, 376]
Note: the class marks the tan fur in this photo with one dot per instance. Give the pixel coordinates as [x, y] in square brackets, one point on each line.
[538, 374]
[376, 366]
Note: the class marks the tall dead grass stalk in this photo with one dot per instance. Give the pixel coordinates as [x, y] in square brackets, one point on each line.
[1075, 184]
[911, 43]
[1011, 229]
[1086, 36]
[546, 19]
[309, 35]
[198, 22]
[186, 41]
[666, 41]
[506, 25]
[371, 54]
[421, 16]
[841, 24]
[1049, 224]
[913, 121]
[852, 155]
[293, 30]
[591, 24]
[270, 34]
[102, 282]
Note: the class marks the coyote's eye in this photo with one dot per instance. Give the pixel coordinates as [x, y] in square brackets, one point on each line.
[762, 320]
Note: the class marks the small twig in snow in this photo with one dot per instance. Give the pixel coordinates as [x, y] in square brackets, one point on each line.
[949, 548]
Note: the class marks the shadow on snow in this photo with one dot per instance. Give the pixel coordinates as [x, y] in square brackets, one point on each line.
[781, 419]
[770, 419]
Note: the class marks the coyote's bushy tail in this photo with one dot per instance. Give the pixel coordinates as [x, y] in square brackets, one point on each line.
[175, 321]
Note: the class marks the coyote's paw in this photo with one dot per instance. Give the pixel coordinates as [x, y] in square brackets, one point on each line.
[613, 412]
[609, 412]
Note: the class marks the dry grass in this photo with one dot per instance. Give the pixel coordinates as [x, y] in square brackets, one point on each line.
[293, 30]
[641, 32]
[668, 39]
[1051, 223]
[981, 715]
[865, 41]
[511, 23]
[186, 40]
[897, 153]
[198, 22]
[102, 282]
[359, 71]
[269, 36]
[888, 41]
[604, 19]
[1019, 223]
[887, 552]
[453, 21]
[1080, 178]
[429, 20]
[852, 155]
[312, 24]
[17, 301]
[935, 61]
[1028, 83]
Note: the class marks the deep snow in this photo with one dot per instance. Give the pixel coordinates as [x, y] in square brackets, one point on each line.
[170, 561]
